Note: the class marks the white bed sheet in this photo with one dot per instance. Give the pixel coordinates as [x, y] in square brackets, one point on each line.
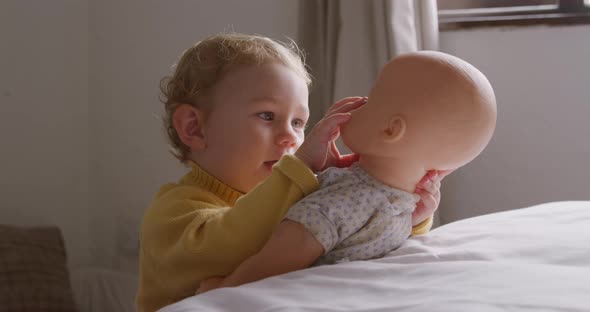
[531, 259]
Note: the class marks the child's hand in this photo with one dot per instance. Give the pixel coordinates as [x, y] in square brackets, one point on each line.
[210, 284]
[429, 191]
[319, 149]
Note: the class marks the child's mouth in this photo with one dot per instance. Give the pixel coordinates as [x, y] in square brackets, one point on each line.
[269, 164]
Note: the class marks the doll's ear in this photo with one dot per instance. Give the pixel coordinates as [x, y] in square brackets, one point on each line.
[188, 122]
[396, 127]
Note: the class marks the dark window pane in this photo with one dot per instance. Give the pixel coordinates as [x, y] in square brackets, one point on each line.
[478, 4]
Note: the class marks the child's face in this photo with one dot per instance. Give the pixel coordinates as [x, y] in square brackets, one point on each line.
[258, 115]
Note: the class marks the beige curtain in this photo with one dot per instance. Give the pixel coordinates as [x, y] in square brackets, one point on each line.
[348, 41]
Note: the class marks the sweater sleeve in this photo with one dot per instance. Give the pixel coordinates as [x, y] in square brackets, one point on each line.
[231, 234]
[422, 227]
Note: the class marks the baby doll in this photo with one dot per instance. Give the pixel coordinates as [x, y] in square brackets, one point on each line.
[426, 111]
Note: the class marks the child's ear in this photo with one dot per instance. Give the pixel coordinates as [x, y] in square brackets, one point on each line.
[188, 123]
[396, 127]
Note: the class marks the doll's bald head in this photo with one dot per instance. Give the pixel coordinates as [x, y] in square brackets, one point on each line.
[428, 107]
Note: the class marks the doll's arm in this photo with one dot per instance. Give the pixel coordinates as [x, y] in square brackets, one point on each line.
[291, 247]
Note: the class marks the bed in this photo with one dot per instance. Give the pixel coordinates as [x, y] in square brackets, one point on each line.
[34, 276]
[530, 259]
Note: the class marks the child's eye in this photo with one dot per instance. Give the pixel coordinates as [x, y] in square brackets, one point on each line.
[266, 115]
[298, 123]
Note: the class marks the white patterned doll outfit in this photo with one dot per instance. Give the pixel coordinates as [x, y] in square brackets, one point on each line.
[354, 216]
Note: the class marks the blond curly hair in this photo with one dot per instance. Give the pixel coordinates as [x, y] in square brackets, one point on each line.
[201, 66]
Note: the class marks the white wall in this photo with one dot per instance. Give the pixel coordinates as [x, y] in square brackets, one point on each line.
[132, 46]
[44, 118]
[82, 145]
[541, 150]
[82, 148]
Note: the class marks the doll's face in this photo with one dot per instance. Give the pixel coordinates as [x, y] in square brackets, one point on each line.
[360, 132]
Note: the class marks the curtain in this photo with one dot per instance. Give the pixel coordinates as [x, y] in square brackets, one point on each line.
[346, 42]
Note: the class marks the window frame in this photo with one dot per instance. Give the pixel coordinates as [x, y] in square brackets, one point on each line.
[566, 12]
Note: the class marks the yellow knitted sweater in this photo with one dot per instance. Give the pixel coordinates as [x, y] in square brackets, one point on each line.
[200, 227]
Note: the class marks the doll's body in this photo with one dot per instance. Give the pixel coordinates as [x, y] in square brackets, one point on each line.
[354, 216]
[427, 111]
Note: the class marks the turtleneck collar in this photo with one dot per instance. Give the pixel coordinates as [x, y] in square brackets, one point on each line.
[206, 181]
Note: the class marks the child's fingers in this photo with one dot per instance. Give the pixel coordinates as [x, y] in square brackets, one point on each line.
[419, 210]
[429, 201]
[334, 150]
[422, 211]
[315, 149]
[348, 107]
[429, 176]
[344, 101]
[429, 185]
[328, 127]
[433, 178]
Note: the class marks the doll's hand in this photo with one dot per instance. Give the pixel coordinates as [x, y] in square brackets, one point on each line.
[319, 150]
[429, 191]
[210, 284]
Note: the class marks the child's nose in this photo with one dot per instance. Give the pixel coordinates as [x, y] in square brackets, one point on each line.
[287, 138]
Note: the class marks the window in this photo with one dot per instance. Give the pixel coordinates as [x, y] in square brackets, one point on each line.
[455, 14]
